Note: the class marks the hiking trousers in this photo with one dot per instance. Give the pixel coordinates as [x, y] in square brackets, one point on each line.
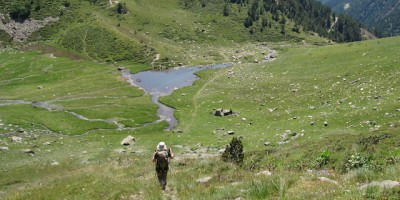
[162, 177]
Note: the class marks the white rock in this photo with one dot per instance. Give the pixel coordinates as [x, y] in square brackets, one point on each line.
[328, 180]
[204, 180]
[265, 173]
[128, 141]
[382, 184]
[16, 139]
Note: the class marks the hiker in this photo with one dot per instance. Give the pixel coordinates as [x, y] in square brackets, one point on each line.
[161, 157]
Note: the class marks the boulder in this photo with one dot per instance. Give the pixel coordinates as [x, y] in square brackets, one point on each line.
[128, 141]
[223, 112]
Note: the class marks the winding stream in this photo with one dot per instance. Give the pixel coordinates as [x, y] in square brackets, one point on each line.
[163, 83]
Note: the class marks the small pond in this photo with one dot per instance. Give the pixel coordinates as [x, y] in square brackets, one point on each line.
[163, 83]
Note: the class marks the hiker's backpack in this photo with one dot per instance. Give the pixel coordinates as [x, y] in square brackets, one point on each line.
[162, 159]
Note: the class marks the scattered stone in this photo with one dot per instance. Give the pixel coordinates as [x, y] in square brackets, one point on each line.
[265, 173]
[285, 135]
[328, 180]
[128, 141]
[120, 68]
[54, 163]
[267, 143]
[47, 143]
[120, 150]
[16, 139]
[398, 110]
[382, 184]
[282, 143]
[204, 180]
[30, 151]
[21, 130]
[178, 146]
[138, 80]
[312, 123]
[3, 148]
[311, 107]
[230, 132]
[40, 87]
[325, 123]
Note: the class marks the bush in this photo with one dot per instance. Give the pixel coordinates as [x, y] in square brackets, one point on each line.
[234, 152]
[322, 159]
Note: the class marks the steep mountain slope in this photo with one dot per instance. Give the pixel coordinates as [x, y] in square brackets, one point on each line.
[380, 16]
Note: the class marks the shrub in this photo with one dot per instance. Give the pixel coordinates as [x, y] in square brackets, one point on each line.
[322, 159]
[234, 152]
[357, 161]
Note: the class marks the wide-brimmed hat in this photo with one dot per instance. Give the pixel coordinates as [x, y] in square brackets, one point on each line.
[161, 146]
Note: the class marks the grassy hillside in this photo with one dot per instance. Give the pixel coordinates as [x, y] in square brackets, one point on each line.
[157, 33]
[352, 87]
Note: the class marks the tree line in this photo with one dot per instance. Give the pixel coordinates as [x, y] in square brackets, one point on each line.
[309, 14]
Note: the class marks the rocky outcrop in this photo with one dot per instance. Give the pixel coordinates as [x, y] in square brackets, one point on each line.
[21, 31]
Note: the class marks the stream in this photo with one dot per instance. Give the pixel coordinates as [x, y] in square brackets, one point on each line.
[163, 83]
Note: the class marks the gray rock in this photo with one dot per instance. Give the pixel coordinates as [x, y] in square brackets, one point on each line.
[204, 180]
[128, 141]
[382, 184]
[267, 143]
[325, 123]
[312, 123]
[398, 110]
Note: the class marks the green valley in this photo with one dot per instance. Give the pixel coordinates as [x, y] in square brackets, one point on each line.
[317, 119]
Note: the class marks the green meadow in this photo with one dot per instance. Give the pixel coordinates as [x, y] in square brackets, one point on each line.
[313, 114]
